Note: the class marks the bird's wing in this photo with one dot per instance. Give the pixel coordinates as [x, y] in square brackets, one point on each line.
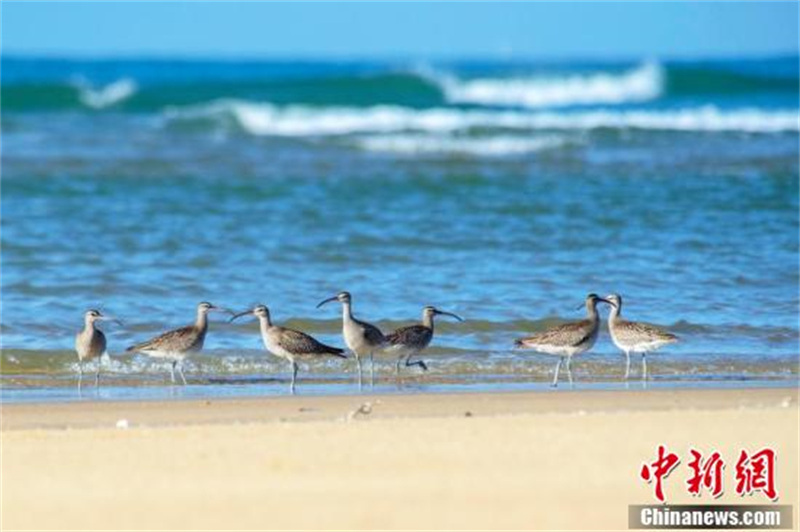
[636, 330]
[299, 343]
[568, 334]
[411, 335]
[179, 340]
[373, 335]
[98, 343]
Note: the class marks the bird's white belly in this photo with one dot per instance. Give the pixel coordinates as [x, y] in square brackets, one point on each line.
[356, 342]
[169, 355]
[642, 346]
[557, 350]
[567, 350]
[276, 350]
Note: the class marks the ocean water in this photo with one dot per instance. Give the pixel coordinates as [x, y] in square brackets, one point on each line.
[502, 191]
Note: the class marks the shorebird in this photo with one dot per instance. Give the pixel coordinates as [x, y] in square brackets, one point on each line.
[568, 339]
[90, 343]
[362, 338]
[634, 336]
[289, 344]
[410, 341]
[177, 344]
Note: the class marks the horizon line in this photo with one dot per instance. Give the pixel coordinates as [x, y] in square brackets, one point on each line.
[399, 56]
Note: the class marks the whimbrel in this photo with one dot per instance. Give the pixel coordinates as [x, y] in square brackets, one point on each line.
[410, 341]
[361, 337]
[175, 345]
[289, 344]
[568, 339]
[634, 336]
[90, 343]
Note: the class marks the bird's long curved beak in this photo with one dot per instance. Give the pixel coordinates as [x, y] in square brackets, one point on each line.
[334, 298]
[236, 316]
[459, 318]
[112, 318]
[604, 300]
[223, 309]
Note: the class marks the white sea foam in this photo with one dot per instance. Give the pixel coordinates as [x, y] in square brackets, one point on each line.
[264, 119]
[643, 83]
[106, 96]
[498, 146]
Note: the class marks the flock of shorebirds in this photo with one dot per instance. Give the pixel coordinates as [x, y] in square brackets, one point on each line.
[366, 340]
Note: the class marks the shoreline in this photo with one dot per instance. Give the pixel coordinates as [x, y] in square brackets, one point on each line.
[282, 408]
[503, 460]
[275, 388]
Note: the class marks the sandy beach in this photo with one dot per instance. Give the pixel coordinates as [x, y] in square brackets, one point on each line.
[563, 460]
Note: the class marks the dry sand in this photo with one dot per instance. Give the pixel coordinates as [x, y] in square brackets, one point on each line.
[538, 460]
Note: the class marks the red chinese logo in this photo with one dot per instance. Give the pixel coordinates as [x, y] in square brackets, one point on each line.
[659, 470]
[706, 473]
[756, 473]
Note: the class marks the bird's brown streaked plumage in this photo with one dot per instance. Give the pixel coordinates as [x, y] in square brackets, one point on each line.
[409, 341]
[418, 336]
[362, 338]
[635, 336]
[573, 335]
[177, 344]
[568, 339]
[189, 339]
[633, 332]
[289, 344]
[302, 345]
[90, 342]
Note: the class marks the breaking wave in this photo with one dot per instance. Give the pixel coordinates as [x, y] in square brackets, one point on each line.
[499, 146]
[643, 83]
[106, 96]
[264, 119]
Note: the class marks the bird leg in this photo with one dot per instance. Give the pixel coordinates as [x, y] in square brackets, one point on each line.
[294, 376]
[397, 367]
[644, 367]
[360, 375]
[97, 374]
[180, 372]
[80, 374]
[371, 370]
[419, 363]
[172, 371]
[558, 368]
[627, 364]
[569, 370]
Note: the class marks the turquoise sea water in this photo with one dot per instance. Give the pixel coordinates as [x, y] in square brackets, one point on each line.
[501, 191]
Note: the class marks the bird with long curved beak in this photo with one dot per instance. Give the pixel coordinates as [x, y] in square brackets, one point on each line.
[635, 336]
[568, 339]
[408, 342]
[288, 344]
[90, 343]
[362, 338]
[177, 344]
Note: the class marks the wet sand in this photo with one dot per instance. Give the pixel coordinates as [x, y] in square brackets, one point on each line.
[533, 460]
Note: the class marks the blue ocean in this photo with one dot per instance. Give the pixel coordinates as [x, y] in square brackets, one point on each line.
[503, 191]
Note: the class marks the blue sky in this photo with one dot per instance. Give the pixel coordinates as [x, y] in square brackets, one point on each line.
[521, 30]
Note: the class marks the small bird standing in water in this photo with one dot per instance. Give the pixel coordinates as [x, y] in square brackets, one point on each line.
[568, 339]
[635, 336]
[289, 344]
[177, 344]
[407, 342]
[362, 338]
[91, 343]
